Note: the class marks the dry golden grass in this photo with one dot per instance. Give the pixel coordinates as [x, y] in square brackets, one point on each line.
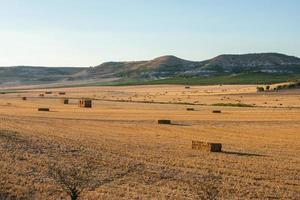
[261, 145]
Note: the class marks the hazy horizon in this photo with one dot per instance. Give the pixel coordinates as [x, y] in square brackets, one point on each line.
[81, 34]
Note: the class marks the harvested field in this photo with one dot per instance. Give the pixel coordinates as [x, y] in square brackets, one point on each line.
[131, 156]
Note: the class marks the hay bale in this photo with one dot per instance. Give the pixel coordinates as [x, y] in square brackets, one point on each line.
[207, 146]
[187, 87]
[164, 121]
[24, 98]
[190, 109]
[65, 101]
[62, 93]
[41, 95]
[44, 109]
[217, 111]
[48, 92]
[85, 103]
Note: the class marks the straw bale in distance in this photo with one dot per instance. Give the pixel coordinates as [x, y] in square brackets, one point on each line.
[85, 103]
[44, 109]
[65, 101]
[164, 121]
[206, 146]
[217, 111]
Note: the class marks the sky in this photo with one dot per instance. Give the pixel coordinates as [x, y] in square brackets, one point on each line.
[89, 32]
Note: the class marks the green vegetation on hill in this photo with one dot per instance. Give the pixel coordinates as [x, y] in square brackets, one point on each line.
[245, 78]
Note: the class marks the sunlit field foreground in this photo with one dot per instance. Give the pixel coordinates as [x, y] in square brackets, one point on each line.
[116, 149]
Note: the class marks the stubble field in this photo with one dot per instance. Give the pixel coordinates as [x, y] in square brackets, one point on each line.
[129, 156]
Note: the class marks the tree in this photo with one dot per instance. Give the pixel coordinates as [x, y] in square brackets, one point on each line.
[73, 179]
[79, 176]
[260, 89]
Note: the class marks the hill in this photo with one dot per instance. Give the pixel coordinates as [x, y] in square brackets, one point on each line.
[264, 62]
[245, 68]
[23, 75]
[171, 66]
[164, 66]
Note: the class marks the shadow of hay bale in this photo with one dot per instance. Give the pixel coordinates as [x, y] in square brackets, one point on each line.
[243, 154]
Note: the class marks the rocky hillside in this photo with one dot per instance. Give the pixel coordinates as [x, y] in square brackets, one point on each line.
[169, 66]
[264, 62]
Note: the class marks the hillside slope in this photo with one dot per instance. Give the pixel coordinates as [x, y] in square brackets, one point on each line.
[264, 62]
[158, 67]
[162, 69]
[170, 66]
[19, 75]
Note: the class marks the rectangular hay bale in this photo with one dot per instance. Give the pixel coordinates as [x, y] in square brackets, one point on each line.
[207, 146]
[65, 101]
[85, 103]
[44, 109]
[164, 121]
[217, 111]
[190, 109]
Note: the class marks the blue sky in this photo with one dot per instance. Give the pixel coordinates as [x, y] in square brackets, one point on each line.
[89, 32]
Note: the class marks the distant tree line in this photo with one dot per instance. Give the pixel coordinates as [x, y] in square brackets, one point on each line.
[279, 87]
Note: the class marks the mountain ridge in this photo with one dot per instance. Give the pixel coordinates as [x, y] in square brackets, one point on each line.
[162, 67]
